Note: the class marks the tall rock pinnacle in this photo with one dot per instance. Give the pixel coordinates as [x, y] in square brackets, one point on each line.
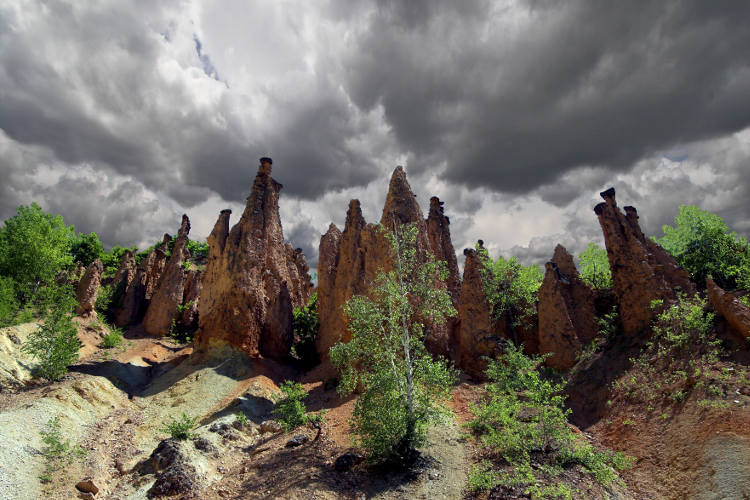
[253, 280]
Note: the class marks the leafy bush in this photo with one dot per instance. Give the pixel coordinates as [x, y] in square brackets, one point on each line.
[703, 244]
[305, 326]
[241, 418]
[403, 388]
[197, 249]
[511, 288]
[8, 303]
[523, 414]
[87, 248]
[683, 323]
[57, 452]
[55, 343]
[180, 428]
[113, 338]
[594, 267]
[290, 408]
[109, 298]
[608, 323]
[34, 247]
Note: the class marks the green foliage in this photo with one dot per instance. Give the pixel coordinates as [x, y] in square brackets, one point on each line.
[481, 477]
[180, 428]
[683, 323]
[113, 338]
[197, 249]
[113, 258]
[403, 388]
[608, 323]
[8, 302]
[34, 247]
[57, 452]
[703, 244]
[109, 298]
[87, 248]
[55, 343]
[241, 418]
[524, 413]
[290, 408]
[594, 267]
[305, 326]
[511, 288]
[745, 299]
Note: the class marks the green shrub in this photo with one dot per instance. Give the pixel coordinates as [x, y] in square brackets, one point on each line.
[594, 267]
[290, 408]
[55, 343]
[608, 323]
[8, 303]
[241, 418]
[524, 414]
[510, 287]
[113, 338]
[703, 245]
[87, 248]
[57, 452]
[305, 326]
[683, 323]
[109, 298]
[481, 477]
[180, 428]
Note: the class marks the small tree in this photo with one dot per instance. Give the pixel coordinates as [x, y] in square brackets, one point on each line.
[594, 266]
[34, 247]
[87, 248]
[55, 343]
[402, 387]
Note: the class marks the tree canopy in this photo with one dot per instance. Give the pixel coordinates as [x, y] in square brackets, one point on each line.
[703, 244]
[594, 267]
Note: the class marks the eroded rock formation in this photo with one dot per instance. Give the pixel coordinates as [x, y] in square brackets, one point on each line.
[566, 311]
[350, 260]
[726, 304]
[642, 271]
[138, 291]
[168, 293]
[88, 288]
[478, 336]
[191, 298]
[252, 281]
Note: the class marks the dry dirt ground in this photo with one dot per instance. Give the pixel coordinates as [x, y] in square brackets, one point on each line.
[114, 403]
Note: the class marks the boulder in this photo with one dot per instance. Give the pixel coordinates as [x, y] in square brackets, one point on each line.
[88, 288]
[167, 296]
[727, 305]
[252, 281]
[642, 271]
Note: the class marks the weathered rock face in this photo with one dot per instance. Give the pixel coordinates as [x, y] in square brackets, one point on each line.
[126, 272]
[350, 260]
[641, 270]
[168, 293]
[735, 312]
[252, 279]
[138, 292]
[566, 311]
[191, 298]
[87, 289]
[444, 338]
[478, 336]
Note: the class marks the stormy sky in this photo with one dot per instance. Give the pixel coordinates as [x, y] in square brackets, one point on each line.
[121, 115]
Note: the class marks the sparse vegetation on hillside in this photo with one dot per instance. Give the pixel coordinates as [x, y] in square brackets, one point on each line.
[523, 427]
[179, 428]
[511, 288]
[703, 244]
[402, 387]
[56, 451]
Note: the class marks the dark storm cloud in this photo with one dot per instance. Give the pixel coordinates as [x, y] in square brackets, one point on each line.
[513, 98]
